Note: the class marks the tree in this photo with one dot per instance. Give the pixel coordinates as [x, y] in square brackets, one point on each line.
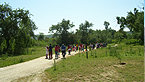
[106, 24]
[16, 28]
[41, 36]
[84, 30]
[61, 31]
[134, 21]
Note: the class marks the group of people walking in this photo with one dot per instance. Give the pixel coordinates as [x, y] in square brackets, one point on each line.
[57, 50]
[63, 49]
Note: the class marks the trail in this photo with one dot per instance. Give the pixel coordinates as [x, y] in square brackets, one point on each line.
[28, 68]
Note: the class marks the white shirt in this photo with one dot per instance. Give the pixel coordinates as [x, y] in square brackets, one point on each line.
[46, 51]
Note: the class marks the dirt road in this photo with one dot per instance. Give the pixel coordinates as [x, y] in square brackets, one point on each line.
[28, 68]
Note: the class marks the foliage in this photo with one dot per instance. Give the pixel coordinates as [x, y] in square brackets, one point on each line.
[16, 29]
[106, 24]
[41, 36]
[132, 41]
[84, 30]
[34, 52]
[134, 21]
[61, 31]
[79, 68]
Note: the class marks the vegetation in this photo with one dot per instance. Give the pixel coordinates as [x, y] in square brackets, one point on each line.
[134, 21]
[34, 52]
[61, 31]
[103, 67]
[123, 63]
[16, 30]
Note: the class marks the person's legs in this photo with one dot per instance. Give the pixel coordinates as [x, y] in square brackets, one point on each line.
[63, 54]
[69, 52]
[46, 56]
[56, 55]
[51, 54]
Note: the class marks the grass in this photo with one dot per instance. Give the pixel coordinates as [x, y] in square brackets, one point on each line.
[36, 52]
[102, 65]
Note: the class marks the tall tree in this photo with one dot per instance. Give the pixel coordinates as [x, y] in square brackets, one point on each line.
[61, 31]
[134, 21]
[106, 24]
[84, 30]
[14, 25]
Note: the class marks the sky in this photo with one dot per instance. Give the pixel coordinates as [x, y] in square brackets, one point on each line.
[50, 12]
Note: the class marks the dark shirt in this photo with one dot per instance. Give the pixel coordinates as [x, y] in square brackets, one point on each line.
[63, 48]
[50, 48]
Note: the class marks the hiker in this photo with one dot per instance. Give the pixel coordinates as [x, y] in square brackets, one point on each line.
[101, 45]
[93, 46]
[56, 51]
[79, 48]
[69, 49]
[63, 50]
[50, 52]
[90, 47]
[96, 45]
[76, 46]
[83, 47]
[46, 52]
[73, 48]
[86, 47]
[59, 51]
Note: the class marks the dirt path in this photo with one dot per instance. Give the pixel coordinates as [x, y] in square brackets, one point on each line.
[28, 68]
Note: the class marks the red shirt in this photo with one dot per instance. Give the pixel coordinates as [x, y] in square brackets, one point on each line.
[57, 48]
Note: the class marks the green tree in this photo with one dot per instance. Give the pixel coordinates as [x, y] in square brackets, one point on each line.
[106, 24]
[61, 31]
[134, 21]
[15, 26]
[84, 31]
[41, 36]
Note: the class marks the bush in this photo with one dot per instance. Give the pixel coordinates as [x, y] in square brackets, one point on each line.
[132, 41]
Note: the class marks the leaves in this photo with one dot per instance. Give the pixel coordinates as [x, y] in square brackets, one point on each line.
[16, 28]
[61, 31]
[134, 21]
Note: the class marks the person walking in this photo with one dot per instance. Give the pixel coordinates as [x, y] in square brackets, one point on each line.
[69, 49]
[93, 46]
[46, 52]
[83, 47]
[56, 51]
[63, 50]
[86, 47]
[79, 48]
[59, 51]
[50, 52]
[76, 46]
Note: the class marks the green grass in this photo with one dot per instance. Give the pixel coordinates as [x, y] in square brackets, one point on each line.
[37, 52]
[102, 67]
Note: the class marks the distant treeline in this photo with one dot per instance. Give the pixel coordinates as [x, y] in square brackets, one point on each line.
[17, 31]
[134, 21]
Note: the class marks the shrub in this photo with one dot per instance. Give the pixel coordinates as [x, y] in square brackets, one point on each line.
[132, 41]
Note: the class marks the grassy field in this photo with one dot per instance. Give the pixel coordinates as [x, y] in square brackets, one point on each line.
[36, 52]
[103, 65]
